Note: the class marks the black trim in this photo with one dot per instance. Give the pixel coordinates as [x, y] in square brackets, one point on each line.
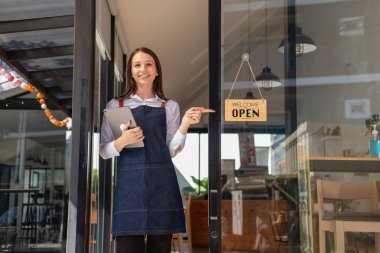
[257, 130]
[24, 104]
[214, 136]
[105, 175]
[202, 130]
[80, 178]
[105, 172]
[45, 52]
[290, 96]
[124, 74]
[290, 71]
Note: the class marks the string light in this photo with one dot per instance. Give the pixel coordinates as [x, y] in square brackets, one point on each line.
[40, 98]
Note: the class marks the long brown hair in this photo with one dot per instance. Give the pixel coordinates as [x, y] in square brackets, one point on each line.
[131, 86]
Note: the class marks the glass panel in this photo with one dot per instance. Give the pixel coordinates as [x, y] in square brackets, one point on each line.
[34, 163]
[318, 125]
[337, 95]
[256, 211]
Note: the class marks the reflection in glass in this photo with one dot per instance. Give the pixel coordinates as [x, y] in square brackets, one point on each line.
[33, 189]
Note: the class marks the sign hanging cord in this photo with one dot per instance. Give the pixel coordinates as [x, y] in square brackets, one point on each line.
[245, 58]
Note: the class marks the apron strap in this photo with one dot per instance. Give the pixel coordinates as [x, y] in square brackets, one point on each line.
[121, 103]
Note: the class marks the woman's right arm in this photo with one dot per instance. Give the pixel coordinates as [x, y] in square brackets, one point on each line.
[107, 141]
[107, 147]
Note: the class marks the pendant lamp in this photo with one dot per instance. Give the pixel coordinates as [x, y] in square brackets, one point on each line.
[266, 79]
[304, 43]
[249, 95]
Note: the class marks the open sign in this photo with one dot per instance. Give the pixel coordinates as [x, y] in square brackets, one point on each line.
[245, 110]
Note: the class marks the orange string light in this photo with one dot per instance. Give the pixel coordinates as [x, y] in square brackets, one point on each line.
[40, 98]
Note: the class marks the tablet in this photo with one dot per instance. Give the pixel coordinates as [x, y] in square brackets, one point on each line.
[118, 116]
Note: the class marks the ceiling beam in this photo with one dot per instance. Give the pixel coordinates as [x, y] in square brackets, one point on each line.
[45, 52]
[36, 24]
[42, 74]
[24, 74]
[66, 101]
[65, 86]
[24, 104]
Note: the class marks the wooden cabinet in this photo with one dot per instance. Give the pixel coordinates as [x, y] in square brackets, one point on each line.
[256, 233]
[199, 222]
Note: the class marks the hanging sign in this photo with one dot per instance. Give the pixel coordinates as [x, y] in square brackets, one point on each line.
[245, 109]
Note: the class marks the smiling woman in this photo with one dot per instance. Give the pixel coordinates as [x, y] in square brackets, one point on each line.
[147, 170]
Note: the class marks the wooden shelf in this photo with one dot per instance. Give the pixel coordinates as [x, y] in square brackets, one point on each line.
[344, 164]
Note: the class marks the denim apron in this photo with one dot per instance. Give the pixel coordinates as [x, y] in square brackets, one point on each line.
[147, 197]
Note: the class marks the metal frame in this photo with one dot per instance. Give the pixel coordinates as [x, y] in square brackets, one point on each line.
[105, 173]
[290, 70]
[80, 178]
[214, 137]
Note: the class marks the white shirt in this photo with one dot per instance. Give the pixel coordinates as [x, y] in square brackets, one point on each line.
[174, 138]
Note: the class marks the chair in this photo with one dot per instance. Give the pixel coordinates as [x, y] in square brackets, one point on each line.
[339, 221]
[278, 223]
[188, 224]
[178, 237]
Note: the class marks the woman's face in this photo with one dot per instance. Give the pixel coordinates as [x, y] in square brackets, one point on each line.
[144, 69]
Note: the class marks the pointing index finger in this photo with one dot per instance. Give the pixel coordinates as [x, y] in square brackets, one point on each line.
[206, 110]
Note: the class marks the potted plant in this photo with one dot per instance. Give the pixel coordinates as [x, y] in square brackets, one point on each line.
[369, 123]
[201, 188]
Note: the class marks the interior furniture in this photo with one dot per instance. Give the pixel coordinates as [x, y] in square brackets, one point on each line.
[312, 167]
[188, 223]
[256, 233]
[178, 237]
[7, 238]
[337, 216]
[177, 241]
[278, 221]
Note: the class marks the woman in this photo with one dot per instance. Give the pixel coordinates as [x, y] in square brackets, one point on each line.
[147, 198]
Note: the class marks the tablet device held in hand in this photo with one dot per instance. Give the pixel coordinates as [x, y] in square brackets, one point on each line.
[118, 116]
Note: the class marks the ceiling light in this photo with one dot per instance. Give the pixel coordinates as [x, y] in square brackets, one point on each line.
[304, 43]
[267, 79]
[249, 95]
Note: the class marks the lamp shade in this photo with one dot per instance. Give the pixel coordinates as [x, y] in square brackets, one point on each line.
[249, 95]
[267, 79]
[304, 44]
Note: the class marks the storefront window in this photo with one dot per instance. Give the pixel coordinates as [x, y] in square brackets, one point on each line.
[33, 181]
[322, 122]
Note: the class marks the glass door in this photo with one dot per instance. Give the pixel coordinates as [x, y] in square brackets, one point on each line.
[254, 209]
[322, 121]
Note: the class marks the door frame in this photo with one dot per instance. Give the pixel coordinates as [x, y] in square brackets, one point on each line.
[214, 134]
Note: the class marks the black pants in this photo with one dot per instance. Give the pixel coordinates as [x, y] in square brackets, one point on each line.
[136, 244]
